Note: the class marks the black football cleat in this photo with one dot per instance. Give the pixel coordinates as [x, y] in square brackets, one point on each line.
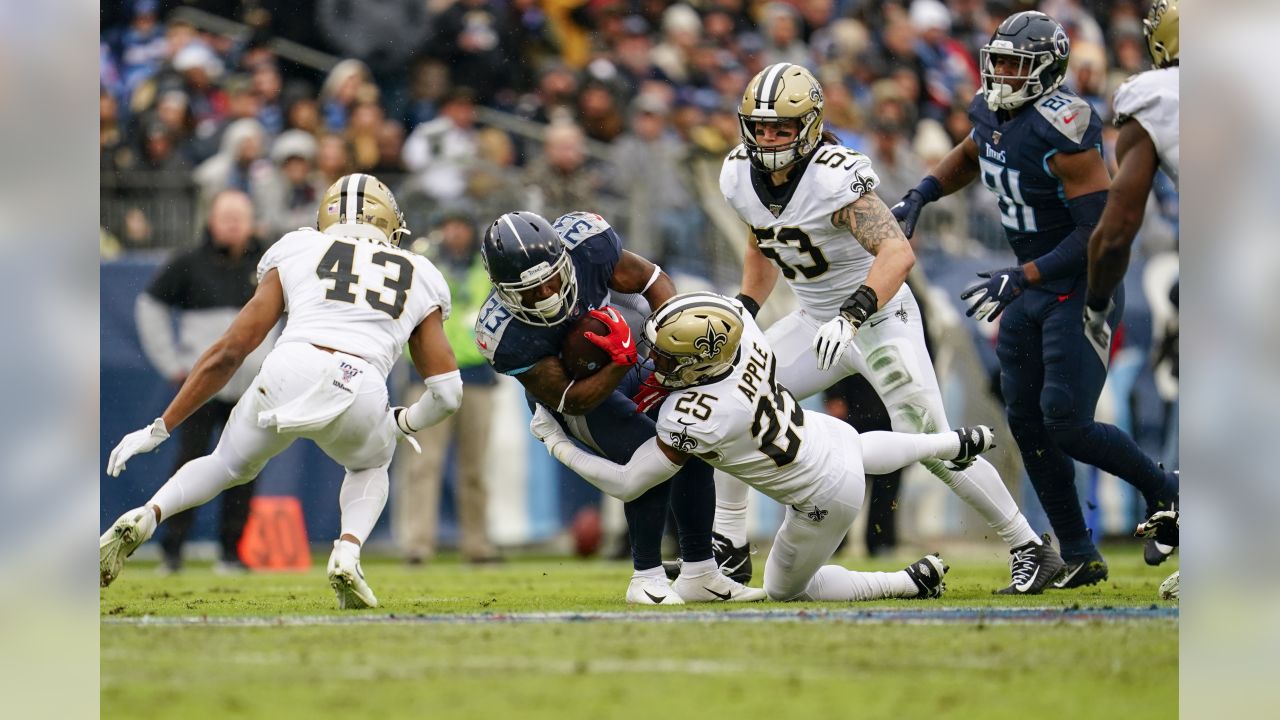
[927, 574]
[734, 562]
[1032, 567]
[1081, 573]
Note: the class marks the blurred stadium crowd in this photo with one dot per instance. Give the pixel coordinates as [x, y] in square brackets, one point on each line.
[471, 108]
[625, 107]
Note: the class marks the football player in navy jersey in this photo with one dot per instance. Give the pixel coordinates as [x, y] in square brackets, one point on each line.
[1037, 146]
[545, 278]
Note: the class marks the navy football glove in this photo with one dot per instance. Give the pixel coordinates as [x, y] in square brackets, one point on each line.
[907, 211]
[999, 289]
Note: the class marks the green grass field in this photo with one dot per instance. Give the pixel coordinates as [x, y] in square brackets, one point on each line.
[273, 646]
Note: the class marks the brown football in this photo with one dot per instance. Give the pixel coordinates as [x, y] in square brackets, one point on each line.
[581, 357]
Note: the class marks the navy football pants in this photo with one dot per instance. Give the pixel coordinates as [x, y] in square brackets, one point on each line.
[1051, 378]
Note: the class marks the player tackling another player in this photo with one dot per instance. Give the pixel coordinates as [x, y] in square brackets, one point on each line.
[727, 408]
[354, 298]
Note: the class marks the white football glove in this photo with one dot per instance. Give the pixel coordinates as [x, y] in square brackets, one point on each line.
[832, 340]
[547, 430]
[138, 441]
[1098, 331]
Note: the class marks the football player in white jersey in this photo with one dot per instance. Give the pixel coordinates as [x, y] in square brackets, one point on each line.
[1147, 114]
[354, 299]
[728, 408]
[815, 220]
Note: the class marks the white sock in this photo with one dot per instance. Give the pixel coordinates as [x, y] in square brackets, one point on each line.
[981, 488]
[731, 508]
[701, 567]
[362, 498]
[195, 484]
[654, 572]
[833, 582]
[886, 452]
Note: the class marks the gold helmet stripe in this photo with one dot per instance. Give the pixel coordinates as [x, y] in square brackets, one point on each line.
[769, 85]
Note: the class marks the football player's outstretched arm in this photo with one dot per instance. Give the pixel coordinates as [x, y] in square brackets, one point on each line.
[759, 274]
[956, 170]
[216, 366]
[650, 465]
[634, 274]
[433, 357]
[548, 382]
[1110, 242]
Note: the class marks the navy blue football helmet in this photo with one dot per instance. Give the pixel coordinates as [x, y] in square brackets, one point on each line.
[1035, 49]
[521, 252]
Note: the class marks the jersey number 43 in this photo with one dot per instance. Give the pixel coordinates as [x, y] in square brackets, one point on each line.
[338, 265]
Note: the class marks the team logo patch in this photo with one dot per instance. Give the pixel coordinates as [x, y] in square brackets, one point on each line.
[902, 313]
[682, 442]
[995, 137]
[862, 185]
[709, 345]
[1061, 45]
[816, 514]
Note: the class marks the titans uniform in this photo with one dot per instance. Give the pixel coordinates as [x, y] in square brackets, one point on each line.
[613, 429]
[1151, 98]
[823, 264]
[1050, 375]
[357, 297]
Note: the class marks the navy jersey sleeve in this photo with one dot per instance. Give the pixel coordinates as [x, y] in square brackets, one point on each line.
[1068, 123]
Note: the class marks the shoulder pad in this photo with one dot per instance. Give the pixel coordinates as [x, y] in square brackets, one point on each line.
[575, 227]
[1143, 91]
[734, 164]
[846, 174]
[1067, 114]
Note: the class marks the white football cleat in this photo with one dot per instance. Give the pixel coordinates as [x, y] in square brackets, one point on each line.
[715, 586]
[347, 579]
[120, 540]
[1170, 588]
[645, 590]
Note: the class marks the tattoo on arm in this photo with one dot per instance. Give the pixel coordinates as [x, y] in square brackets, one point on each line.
[870, 222]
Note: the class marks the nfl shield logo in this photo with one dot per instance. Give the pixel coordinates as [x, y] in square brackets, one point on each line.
[995, 137]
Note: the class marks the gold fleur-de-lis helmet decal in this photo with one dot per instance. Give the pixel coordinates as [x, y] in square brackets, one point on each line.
[710, 343]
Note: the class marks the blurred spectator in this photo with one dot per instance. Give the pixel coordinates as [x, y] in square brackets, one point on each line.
[598, 112]
[143, 46]
[950, 70]
[895, 162]
[340, 91]
[268, 86]
[200, 69]
[390, 148]
[239, 164]
[634, 53]
[1086, 74]
[841, 114]
[681, 29]
[438, 152]
[288, 198]
[428, 84]
[205, 288]
[333, 159]
[666, 223]
[362, 135]
[493, 181]
[467, 39]
[561, 180]
[419, 476]
[553, 101]
[110, 134]
[303, 113]
[783, 35]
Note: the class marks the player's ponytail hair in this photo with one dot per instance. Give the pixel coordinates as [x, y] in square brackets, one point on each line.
[829, 138]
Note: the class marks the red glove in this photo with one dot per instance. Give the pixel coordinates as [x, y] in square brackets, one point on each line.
[618, 343]
[651, 394]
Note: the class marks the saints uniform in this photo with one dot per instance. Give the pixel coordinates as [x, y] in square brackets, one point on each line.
[1151, 98]
[359, 298]
[823, 264]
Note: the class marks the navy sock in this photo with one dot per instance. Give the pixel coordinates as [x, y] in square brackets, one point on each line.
[693, 502]
[1112, 450]
[1053, 476]
[646, 519]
